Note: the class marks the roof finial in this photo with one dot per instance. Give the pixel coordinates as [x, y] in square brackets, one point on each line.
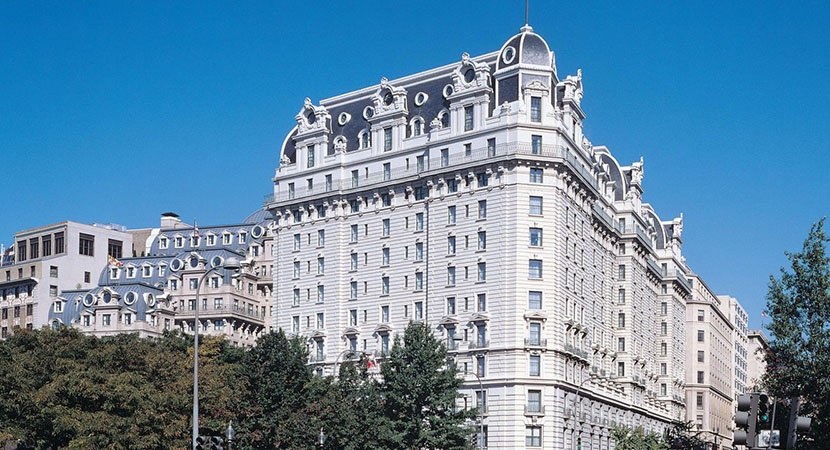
[527, 12]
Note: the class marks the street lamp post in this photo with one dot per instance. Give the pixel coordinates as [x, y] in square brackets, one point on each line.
[231, 263]
[321, 438]
[576, 398]
[229, 434]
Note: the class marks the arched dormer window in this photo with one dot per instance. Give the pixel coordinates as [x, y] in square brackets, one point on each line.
[444, 117]
[416, 126]
[365, 138]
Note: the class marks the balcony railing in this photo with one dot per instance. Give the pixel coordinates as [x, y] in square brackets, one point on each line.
[435, 165]
[536, 342]
[534, 410]
[478, 344]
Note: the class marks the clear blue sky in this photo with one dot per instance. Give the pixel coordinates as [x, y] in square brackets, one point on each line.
[119, 111]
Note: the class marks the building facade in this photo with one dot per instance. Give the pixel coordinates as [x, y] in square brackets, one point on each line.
[468, 198]
[710, 368]
[757, 348]
[156, 292]
[47, 260]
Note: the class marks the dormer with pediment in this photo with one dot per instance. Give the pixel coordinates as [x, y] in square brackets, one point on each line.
[471, 88]
[312, 134]
[387, 117]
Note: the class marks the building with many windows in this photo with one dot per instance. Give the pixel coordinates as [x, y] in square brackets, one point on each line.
[155, 292]
[468, 198]
[47, 260]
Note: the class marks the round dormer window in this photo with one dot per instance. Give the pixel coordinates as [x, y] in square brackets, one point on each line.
[388, 99]
[257, 231]
[130, 298]
[368, 112]
[176, 265]
[89, 300]
[469, 75]
[508, 55]
[107, 297]
[448, 90]
[216, 261]
[151, 300]
[344, 118]
[194, 262]
[421, 98]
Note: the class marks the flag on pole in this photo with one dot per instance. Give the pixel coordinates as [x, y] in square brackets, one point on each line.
[196, 233]
[371, 364]
[111, 261]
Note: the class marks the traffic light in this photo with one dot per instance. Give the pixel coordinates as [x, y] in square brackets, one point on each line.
[763, 412]
[797, 423]
[745, 420]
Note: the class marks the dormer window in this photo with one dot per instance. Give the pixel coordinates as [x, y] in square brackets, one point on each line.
[195, 241]
[387, 139]
[211, 239]
[243, 237]
[469, 117]
[179, 242]
[164, 242]
[146, 271]
[130, 272]
[226, 238]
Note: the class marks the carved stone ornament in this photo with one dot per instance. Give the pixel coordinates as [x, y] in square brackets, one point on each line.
[637, 172]
[311, 117]
[389, 98]
[284, 160]
[537, 88]
[573, 87]
[505, 108]
[470, 74]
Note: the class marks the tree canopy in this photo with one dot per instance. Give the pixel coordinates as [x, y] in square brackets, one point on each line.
[798, 363]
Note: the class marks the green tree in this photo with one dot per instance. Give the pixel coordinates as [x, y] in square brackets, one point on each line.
[798, 363]
[626, 438]
[419, 391]
[275, 393]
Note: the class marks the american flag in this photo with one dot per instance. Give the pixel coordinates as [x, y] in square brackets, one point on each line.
[111, 261]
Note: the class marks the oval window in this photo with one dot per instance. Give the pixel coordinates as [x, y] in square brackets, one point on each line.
[129, 299]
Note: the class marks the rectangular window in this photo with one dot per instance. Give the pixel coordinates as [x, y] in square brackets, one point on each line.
[291, 191]
[106, 320]
[354, 233]
[451, 214]
[482, 240]
[46, 242]
[355, 178]
[445, 157]
[535, 109]
[387, 171]
[419, 251]
[421, 164]
[311, 151]
[700, 377]
[385, 252]
[536, 175]
[321, 238]
[536, 144]
[664, 308]
[419, 222]
[384, 314]
[620, 369]
[533, 436]
[621, 344]
[353, 290]
[621, 297]
[481, 365]
[321, 265]
[86, 244]
[384, 281]
[419, 310]
[53, 271]
[700, 335]
[700, 356]
[328, 183]
[34, 248]
[491, 147]
[59, 243]
[535, 205]
[450, 245]
[468, 150]
[534, 300]
[450, 276]
[469, 117]
[700, 315]
[386, 226]
[482, 209]
[534, 401]
[535, 365]
[387, 139]
[664, 328]
[296, 269]
[297, 242]
[321, 321]
[419, 281]
[535, 237]
[621, 320]
[482, 271]
[534, 269]
[621, 272]
[535, 335]
[450, 306]
[21, 251]
[482, 302]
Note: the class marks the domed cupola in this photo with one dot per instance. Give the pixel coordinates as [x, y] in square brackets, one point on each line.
[525, 48]
[524, 59]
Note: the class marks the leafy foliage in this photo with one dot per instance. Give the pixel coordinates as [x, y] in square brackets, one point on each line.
[420, 390]
[798, 363]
